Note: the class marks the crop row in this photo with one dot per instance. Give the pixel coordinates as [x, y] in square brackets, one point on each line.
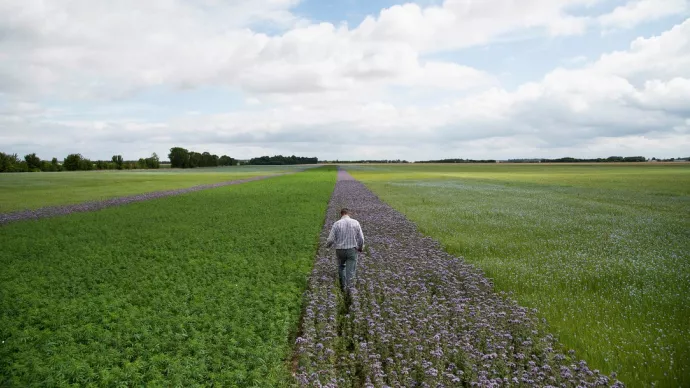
[419, 317]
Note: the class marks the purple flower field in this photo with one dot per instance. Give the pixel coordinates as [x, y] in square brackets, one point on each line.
[419, 317]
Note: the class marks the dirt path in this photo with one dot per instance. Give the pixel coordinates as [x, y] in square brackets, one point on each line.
[419, 316]
[52, 211]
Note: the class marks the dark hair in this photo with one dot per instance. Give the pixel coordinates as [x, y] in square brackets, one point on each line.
[344, 211]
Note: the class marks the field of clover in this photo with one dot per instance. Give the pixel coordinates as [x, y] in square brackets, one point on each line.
[419, 317]
[197, 289]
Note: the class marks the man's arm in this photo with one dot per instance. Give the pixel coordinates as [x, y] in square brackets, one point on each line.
[360, 238]
[331, 237]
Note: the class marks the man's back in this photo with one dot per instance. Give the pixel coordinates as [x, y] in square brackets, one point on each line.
[346, 233]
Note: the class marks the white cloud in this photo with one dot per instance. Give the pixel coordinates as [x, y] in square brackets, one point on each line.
[636, 12]
[317, 86]
[664, 56]
[95, 49]
[462, 23]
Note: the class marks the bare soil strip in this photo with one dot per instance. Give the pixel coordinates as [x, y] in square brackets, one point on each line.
[419, 316]
[53, 211]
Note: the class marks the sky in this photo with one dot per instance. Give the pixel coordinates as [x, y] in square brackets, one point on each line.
[346, 79]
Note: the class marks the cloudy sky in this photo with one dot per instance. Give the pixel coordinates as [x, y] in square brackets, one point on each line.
[346, 79]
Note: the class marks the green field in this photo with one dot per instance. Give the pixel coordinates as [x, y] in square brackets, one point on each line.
[602, 251]
[21, 191]
[198, 289]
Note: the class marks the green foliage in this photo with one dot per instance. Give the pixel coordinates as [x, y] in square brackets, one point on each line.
[33, 162]
[225, 160]
[281, 160]
[182, 158]
[102, 165]
[119, 162]
[601, 251]
[55, 166]
[194, 159]
[198, 289]
[208, 160]
[179, 157]
[12, 163]
[72, 162]
[76, 162]
[153, 162]
[47, 166]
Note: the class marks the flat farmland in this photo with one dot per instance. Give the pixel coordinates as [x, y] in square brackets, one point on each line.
[602, 251]
[22, 191]
[203, 288]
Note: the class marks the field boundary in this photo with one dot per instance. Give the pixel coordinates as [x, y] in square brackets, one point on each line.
[60, 210]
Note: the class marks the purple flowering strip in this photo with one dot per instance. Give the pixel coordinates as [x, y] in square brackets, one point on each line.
[420, 317]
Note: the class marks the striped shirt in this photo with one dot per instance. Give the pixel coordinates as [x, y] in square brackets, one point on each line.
[345, 234]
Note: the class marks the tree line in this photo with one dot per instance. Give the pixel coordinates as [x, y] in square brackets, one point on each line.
[73, 162]
[610, 159]
[183, 158]
[179, 158]
[282, 160]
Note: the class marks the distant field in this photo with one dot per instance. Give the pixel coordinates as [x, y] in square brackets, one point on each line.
[603, 251]
[33, 190]
[201, 289]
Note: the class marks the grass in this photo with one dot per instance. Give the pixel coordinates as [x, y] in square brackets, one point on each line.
[603, 252]
[34, 190]
[199, 289]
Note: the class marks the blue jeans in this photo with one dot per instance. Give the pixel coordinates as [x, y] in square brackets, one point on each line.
[347, 266]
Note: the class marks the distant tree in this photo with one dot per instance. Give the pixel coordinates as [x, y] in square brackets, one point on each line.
[76, 162]
[179, 157]
[6, 161]
[634, 159]
[72, 162]
[12, 163]
[282, 160]
[153, 161]
[86, 165]
[226, 161]
[195, 159]
[55, 165]
[102, 165]
[33, 162]
[22, 166]
[117, 159]
[141, 163]
[615, 159]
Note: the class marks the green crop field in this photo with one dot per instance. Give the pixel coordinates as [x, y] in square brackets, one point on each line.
[198, 289]
[21, 191]
[602, 251]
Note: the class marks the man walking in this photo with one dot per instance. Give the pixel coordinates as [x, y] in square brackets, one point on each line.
[347, 238]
